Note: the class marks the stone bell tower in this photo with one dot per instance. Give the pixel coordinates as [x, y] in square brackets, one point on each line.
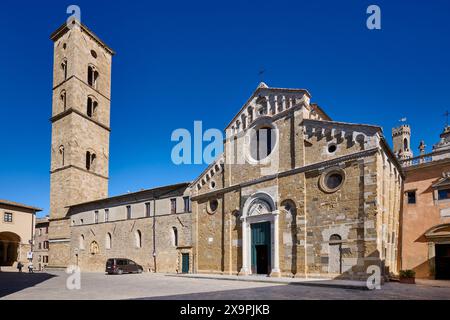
[401, 138]
[80, 129]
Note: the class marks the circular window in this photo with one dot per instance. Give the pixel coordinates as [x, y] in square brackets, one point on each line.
[94, 54]
[213, 205]
[332, 180]
[332, 148]
[262, 142]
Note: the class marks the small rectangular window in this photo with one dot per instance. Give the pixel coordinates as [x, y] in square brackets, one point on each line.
[106, 215]
[443, 194]
[128, 212]
[411, 197]
[147, 209]
[187, 204]
[8, 217]
[173, 205]
[96, 216]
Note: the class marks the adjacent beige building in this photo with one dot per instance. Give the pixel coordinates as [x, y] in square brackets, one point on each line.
[425, 241]
[41, 244]
[16, 232]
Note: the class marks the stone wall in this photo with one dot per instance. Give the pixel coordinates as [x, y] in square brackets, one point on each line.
[124, 242]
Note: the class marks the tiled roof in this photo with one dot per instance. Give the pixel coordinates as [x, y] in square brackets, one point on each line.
[19, 205]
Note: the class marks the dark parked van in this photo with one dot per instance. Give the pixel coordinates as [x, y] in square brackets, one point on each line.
[120, 265]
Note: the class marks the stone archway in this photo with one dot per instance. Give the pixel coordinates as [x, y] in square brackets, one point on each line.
[9, 248]
[260, 211]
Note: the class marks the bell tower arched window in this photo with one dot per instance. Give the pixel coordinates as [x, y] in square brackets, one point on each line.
[90, 160]
[92, 76]
[64, 99]
[64, 69]
[62, 155]
[91, 107]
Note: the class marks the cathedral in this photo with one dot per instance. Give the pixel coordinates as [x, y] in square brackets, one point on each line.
[294, 193]
[321, 199]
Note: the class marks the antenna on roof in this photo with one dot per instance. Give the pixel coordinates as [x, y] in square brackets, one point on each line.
[446, 114]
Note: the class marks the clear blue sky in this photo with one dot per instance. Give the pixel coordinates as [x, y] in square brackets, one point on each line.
[182, 61]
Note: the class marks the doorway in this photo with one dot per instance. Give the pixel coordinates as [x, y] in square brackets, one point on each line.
[9, 248]
[185, 263]
[261, 248]
[442, 260]
[335, 254]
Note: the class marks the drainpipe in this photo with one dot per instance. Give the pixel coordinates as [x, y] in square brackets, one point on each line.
[154, 234]
[33, 222]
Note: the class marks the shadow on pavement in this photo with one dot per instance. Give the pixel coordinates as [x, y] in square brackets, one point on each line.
[11, 282]
[279, 292]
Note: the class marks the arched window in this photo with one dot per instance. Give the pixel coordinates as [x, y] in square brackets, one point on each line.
[405, 144]
[81, 244]
[64, 99]
[235, 150]
[244, 121]
[250, 115]
[64, 68]
[90, 160]
[138, 238]
[335, 237]
[175, 236]
[91, 107]
[92, 76]
[108, 241]
[93, 248]
[61, 154]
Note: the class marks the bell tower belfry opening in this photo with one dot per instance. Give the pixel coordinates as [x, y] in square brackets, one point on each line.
[80, 129]
[401, 138]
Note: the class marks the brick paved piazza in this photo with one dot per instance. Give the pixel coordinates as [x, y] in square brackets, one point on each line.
[158, 286]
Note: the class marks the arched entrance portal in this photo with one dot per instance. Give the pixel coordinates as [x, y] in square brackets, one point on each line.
[260, 251]
[9, 248]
